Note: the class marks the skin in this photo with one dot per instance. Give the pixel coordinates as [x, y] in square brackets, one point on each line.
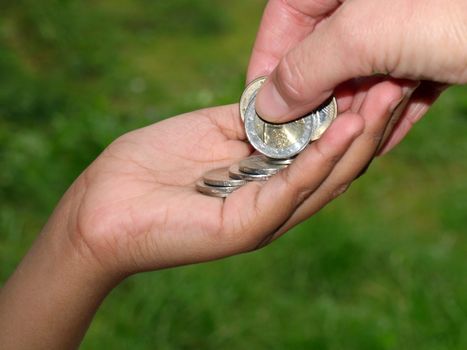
[424, 41]
[136, 209]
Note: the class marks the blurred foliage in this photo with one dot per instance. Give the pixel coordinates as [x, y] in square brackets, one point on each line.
[382, 268]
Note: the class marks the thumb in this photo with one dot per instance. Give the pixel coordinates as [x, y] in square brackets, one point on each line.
[334, 53]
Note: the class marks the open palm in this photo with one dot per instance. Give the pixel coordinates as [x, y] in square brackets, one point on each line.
[136, 207]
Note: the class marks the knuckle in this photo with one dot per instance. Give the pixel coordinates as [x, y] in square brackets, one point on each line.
[302, 196]
[265, 241]
[290, 79]
[286, 177]
[329, 160]
[296, 182]
[294, 185]
[339, 190]
[271, 235]
[344, 26]
[347, 30]
[363, 171]
[300, 192]
[375, 138]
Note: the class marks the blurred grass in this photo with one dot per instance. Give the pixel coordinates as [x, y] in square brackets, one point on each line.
[384, 267]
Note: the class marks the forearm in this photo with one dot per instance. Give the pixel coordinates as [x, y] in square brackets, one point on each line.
[52, 296]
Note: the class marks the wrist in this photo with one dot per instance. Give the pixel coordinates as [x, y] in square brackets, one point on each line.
[52, 296]
[63, 239]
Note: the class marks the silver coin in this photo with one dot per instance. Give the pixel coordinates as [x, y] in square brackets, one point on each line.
[236, 173]
[323, 117]
[220, 177]
[258, 165]
[247, 94]
[286, 161]
[280, 141]
[277, 141]
[214, 191]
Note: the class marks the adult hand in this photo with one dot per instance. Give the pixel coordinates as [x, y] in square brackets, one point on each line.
[312, 48]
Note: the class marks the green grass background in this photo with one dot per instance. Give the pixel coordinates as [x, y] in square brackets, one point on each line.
[383, 267]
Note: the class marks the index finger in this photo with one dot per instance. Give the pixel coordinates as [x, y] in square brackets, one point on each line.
[285, 23]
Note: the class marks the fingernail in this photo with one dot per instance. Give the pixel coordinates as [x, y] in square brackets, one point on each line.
[409, 89]
[270, 105]
[396, 104]
[407, 92]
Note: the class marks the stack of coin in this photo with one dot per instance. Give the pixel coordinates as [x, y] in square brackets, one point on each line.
[218, 183]
[277, 143]
[223, 181]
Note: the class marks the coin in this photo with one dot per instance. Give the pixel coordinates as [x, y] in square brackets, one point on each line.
[247, 94]
[276, 140]
[281, 141]
[215, 191]
[278, 143]
[220, 177]
[286, 161]
[236, 173]
[323, 117]
[258, 165]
